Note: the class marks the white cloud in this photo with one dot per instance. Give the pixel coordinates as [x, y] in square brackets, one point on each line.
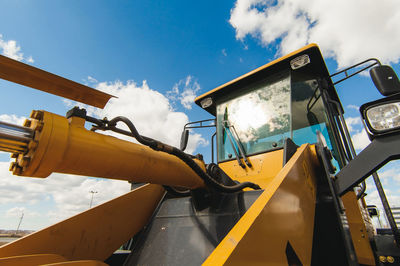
[12, 119]
[30, 60]
[91, 79]
[358, 134]
[195, 140]
[224, 52]
[18, 211]
[352, 122]
[185, 91]
[69, 192]
[390, 179]
[11, 49]
[360, 140]
[373, 199]
[352, 106]
[75, 196]
[391, 173]
[150, 111]
[348, 31]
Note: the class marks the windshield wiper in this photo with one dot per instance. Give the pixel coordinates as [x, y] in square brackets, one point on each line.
[228, 133]
[235, 142]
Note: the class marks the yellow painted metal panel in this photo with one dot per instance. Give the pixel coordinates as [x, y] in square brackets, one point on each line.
[358, 230]
[264, 168]
[283, 213]
[94, 234]
[31, 260]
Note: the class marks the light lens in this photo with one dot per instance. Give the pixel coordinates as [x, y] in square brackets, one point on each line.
[207, 102]
[300, 61]
[384, 117]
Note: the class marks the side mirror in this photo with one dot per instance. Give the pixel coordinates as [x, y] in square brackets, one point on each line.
[385, 80]
[184, 139]
[372, 210]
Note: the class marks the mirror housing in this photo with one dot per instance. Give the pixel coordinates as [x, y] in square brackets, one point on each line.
[312, 118]
[385, 80]
[184, 139]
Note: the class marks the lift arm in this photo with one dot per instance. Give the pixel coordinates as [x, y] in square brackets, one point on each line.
[36, 78]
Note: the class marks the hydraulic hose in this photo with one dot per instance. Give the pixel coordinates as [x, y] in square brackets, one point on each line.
[159, 146]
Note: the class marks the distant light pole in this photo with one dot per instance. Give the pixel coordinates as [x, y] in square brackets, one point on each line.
[20, 221]
[91, 200]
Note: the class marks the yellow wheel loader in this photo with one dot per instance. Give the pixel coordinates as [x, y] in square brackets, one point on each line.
[287, 187]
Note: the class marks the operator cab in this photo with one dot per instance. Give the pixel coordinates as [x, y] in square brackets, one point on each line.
[287, 98]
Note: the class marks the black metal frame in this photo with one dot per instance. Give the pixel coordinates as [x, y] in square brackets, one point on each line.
[380, 151]
[377, 62]
[201, 124]
[330, 111]
[188, 126]
[349, 150]
[330, 219]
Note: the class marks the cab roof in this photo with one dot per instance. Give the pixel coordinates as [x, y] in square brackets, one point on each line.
[317, 66]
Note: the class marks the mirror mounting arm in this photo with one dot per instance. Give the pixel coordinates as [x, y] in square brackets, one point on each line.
[345, 71]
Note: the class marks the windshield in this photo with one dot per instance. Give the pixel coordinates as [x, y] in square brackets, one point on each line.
[264, 114]
[260, 117]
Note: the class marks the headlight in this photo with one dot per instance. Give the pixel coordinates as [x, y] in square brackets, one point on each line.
[206, 102]
[300, 61]
[382, 116]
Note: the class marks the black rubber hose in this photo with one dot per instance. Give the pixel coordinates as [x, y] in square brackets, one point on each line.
[143, 140]
[158, 146]
[207, 178]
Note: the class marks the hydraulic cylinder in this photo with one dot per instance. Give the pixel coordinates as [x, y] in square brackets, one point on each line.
[49, 143]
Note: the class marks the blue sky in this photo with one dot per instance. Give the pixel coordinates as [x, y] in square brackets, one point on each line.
[166, 52]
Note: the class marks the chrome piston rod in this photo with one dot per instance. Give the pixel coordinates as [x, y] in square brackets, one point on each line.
[14, 138]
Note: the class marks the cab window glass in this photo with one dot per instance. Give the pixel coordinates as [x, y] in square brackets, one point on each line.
[258, 119]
